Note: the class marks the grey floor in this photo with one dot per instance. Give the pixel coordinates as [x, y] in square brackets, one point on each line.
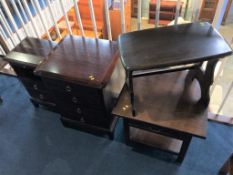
[33, 141]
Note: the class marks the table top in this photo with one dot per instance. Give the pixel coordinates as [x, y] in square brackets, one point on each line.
[30, 51]
[160, 100]
[171, 45]
[83, 60]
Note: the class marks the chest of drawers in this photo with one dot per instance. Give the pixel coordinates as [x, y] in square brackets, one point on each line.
[24, 58]
[85, 76]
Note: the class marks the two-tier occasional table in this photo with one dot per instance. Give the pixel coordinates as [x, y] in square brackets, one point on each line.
[173, 48]
[169, 108]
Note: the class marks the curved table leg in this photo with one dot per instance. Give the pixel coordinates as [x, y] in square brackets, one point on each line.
[205, 79]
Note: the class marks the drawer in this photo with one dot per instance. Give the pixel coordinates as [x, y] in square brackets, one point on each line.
[24, 71]
[43, 96]
[90, 97]
[72, 116]
[34, 84]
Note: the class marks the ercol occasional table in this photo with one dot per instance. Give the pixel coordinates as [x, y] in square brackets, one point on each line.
[86, 76]
[165, 107]
[173, 48]
[24, 58]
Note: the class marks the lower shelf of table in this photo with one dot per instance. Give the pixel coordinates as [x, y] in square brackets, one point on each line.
[161, 142]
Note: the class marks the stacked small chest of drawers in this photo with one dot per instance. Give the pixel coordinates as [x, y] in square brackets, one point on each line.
[86, 76]
[24, 59]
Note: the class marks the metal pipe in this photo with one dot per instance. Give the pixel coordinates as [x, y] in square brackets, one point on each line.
[66, 17]
[35, 27]
[53, 18]
[91, 8]
[177, 11]
[157, 13]
[139, 14]
[42, 19]
[19, 16]
[11, 19]
[78, 17]
[108, 20]
[122, 9]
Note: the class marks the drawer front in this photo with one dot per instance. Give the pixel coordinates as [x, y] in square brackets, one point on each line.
[89, 97]
[34, 84]
[42, 96]
[23, 71]
[85, 115]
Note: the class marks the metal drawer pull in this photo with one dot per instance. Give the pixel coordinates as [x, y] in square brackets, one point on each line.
[79, 111]
[41, 96]
[35, 87]
[74, 100]
[68, 88]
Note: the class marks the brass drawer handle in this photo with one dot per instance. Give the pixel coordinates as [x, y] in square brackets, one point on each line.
[79, 111]
[74, 100]
[68, 88]
[35, 87]
[41, 96]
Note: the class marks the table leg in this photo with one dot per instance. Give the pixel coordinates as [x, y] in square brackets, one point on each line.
[227, 167]
[126, 130]
[1, 101]
[131, 91]
[205, 79]
[184, 148]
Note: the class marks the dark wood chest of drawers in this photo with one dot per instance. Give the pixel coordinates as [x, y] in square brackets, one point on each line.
[86, 76]
[24, 59]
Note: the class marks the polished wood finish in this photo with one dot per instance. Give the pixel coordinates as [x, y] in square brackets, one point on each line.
[24, 58]
[86, 76]
[171, 46]
[166, 105]
[87, 61]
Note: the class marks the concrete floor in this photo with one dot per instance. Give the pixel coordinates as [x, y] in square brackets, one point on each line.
[225, 79]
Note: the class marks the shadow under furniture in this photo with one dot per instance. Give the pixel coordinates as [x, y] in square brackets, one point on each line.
[162, 66]
[24, 58]
[85, 76]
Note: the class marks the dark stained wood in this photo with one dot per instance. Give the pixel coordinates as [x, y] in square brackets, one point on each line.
[155, 140]
[166, 105]
[171, 46]
[24, 58]
[85, 60]
[160, 101]
[85, 76]
[35, 46]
